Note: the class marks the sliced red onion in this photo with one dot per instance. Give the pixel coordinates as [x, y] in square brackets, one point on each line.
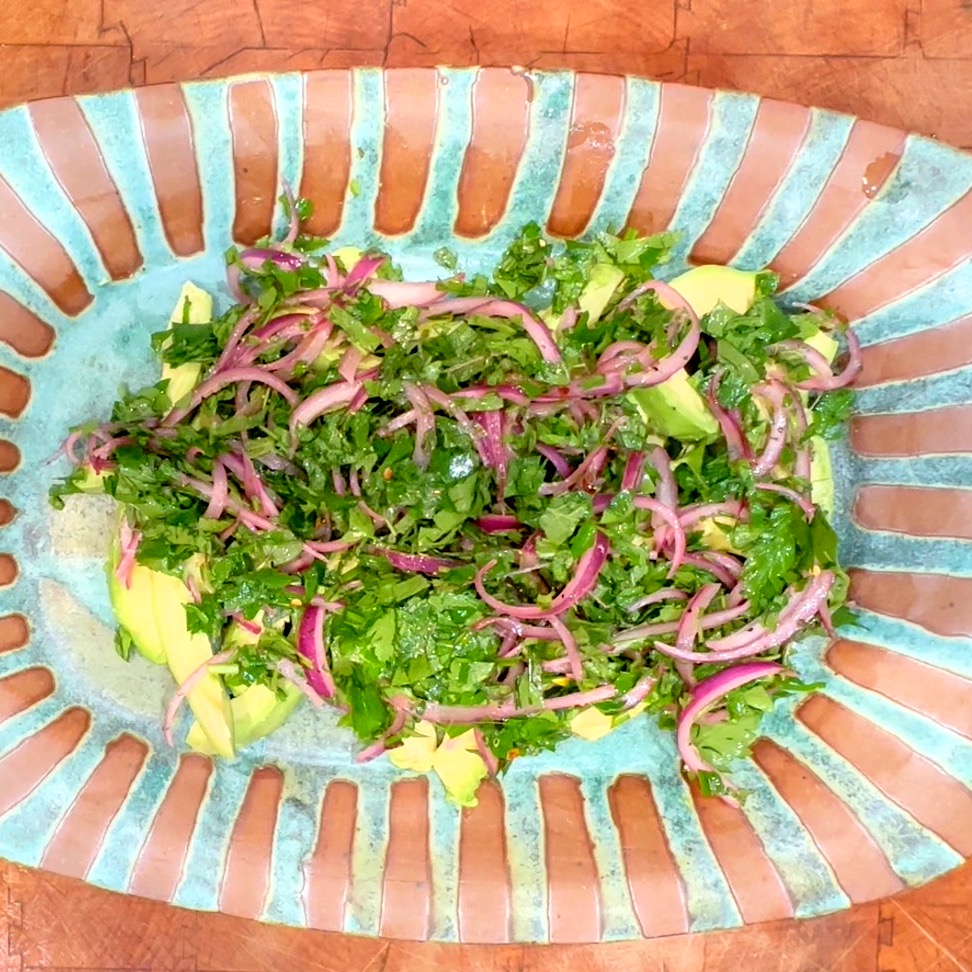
[804, 606]
[256, 258]
[246, 516]
[570, 647]
[377, 748]
[323, 400]
[424, 423]
[128, 540]
[688, 625]
[715, 619]
[791, 494]
[691, 515]
[399, 422]
[666, 491]
[193, 589]
[736, 442]
[826, 620]
[670, 517]
[397, 293]
[802, 467]
[498, 523]
[278, 464]
[325, 547]
[634, 472]
[229, 377]
[702, 562]
[619, 349]
[348, 366]
[299, 564]
[517, 629]
[824, 379]
[568, 319]
[486, 754]
[105, 450]
[288, 670]
[242, 467]
[416, 563]
[332, 607]
[580, 585]
[662, 594]
[667, 295]
[333, 277]
[467, 715]
[246, 321]
[309, 349]
[494, 454]
[591, 697]
[640, 691]
[535, 328]
[361, 272]
[187, 686]
[286, 326]
[310, 645]
[375, 517]
[707, 693]
[251, 627]
[448, 405]
[585, 474]
[665, 367]
[774, 442]
[217, 501]
[453, 305]
[731, 565]
[234, 284]
[508, 393]
[555, 458]
[851, 370]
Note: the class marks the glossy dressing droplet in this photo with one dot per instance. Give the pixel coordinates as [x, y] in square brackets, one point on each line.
[878, 172]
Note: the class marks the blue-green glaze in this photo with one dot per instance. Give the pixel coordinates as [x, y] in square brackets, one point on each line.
[108, 343]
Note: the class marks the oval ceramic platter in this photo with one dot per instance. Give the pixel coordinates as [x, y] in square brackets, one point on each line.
[109, 203]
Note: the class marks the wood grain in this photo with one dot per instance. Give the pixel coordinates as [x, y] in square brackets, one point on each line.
[902, 63]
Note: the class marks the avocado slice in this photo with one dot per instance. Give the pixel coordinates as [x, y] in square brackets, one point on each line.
[706, 287]
[184, 653]
[675, 408]
[257, 712]
[821, 475]
[152, 610]
[824, 343]
[195, 306]
[133, 606]
[455, 761]
[601, 284]
[347, 256]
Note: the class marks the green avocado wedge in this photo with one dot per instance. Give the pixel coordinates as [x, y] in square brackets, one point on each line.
[258, 710]
[195, 306]
[134, 606]
[675, 408]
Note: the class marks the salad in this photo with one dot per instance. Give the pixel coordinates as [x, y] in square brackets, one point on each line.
[482, 514]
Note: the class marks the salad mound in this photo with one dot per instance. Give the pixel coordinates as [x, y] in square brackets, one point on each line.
[480, 514]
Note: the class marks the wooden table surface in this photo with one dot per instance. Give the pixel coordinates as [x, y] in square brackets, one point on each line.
[902, 62]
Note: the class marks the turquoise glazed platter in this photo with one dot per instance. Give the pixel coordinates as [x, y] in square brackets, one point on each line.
[109, 204]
